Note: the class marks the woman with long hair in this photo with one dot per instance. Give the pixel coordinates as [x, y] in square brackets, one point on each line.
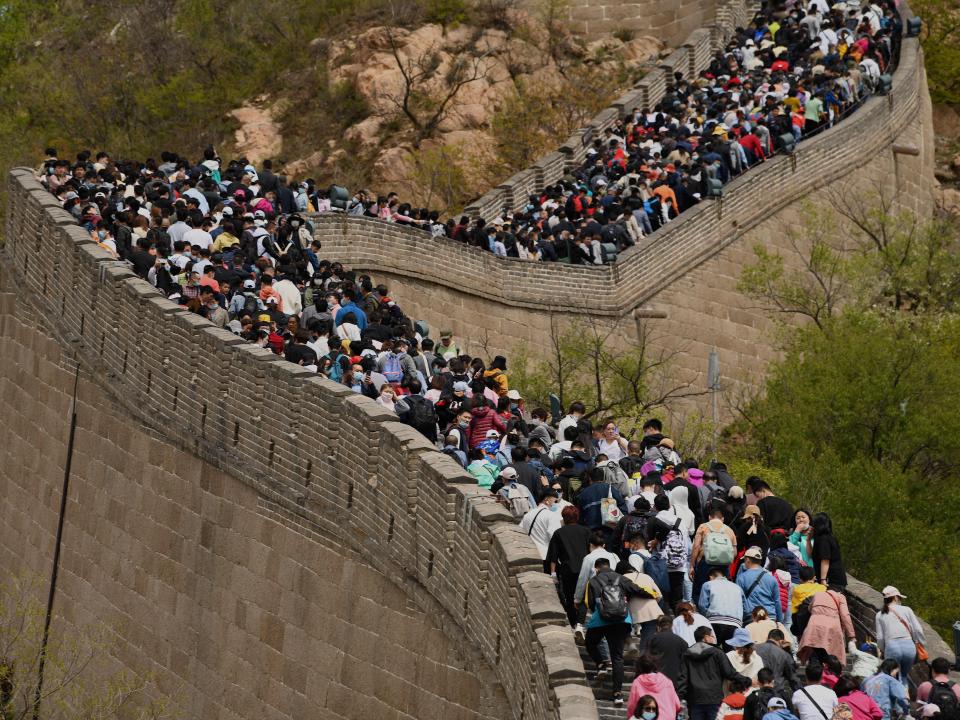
[824, 551]
[898, 631]
[744, 660]
[687, 621]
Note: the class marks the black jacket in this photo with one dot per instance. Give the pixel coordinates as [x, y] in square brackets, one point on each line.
[705, 667]
[630, 589]
[780, 663]
[670, 648]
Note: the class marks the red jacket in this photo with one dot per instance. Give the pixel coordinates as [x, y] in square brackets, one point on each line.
[484, 419]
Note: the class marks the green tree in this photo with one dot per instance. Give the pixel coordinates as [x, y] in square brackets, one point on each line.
[859, 417]
[603, 366]
[941, 47]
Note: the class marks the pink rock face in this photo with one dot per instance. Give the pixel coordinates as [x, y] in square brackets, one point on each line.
[258, 136]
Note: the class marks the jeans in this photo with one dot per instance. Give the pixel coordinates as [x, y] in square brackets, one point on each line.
[904, 652]
[616, 635]
[704, 712]
[678, 581]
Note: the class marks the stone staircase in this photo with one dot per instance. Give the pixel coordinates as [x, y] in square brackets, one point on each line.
[602, 691]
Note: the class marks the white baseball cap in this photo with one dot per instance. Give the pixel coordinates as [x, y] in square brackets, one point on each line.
[890, 591]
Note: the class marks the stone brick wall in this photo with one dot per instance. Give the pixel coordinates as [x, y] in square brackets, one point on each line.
[671, 20]
[687, 270]
[266, 543]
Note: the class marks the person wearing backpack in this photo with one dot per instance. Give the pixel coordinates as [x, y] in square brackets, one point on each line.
[759, 700]
[516, 496]
[608, 597]
[597, 551]
[592, 496]
[539, 523]
[759, 587]
[940, 690]
[714, 545]
[633, 523]
[451, 447]
[418, 412]
[338, 362]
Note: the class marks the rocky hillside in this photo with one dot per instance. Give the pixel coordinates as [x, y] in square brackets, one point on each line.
[446, 112]
[436, 99]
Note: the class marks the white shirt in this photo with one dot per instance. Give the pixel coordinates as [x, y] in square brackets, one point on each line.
[200, 238]
[539, 524]
[567, 421]
[200, 198]
[685, 631]
[612, 450]
[824, 697]
[558, 448]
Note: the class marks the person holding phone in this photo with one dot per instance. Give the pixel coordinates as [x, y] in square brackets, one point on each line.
[611, 443]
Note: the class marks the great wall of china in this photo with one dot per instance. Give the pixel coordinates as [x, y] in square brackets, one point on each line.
[255, 559]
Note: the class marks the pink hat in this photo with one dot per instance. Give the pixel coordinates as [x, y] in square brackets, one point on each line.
[695, 476]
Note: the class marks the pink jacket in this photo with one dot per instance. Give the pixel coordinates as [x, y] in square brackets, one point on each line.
[658, 686]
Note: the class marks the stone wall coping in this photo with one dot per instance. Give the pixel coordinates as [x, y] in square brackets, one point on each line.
[114, 321]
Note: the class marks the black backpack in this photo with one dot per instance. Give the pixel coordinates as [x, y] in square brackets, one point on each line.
[633, 525]
[611, 600]
[942, 695]
[251, 305]
[422, 413]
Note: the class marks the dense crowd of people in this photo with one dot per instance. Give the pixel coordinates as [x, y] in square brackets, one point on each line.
[794, 70]
[724, 592]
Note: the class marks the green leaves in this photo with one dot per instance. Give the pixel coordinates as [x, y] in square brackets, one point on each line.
[859, 418]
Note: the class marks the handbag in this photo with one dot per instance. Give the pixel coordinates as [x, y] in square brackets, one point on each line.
[922, 654]
[610, 514]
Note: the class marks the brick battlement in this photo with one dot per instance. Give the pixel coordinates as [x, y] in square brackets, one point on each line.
[313, 451]
[641, 271]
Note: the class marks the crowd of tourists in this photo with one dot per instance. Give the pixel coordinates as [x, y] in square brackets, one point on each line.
[794, 70]
[732, 599]
[797, 68]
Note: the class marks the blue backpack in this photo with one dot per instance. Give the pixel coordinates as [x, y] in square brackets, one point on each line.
[392, 369]
[335, 372]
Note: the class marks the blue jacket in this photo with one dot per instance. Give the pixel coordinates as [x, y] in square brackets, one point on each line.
[351, 307]
[722, 601]
[589, 502]
[656, 567]
[887, 692]
[766, 594]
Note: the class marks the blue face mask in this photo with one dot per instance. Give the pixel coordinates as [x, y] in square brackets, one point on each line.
[649, 715]
[554, 508]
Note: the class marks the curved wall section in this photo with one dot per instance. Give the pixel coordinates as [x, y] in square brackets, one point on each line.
[257, 494]
[687, 270]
